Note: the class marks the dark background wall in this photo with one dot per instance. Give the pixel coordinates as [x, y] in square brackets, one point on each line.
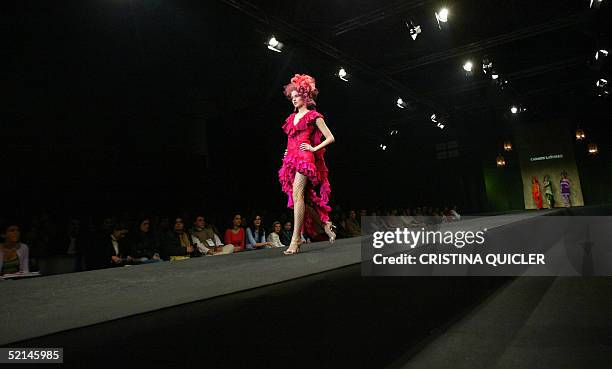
[158, 106]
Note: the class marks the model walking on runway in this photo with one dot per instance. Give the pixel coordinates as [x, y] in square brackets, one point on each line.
[304, 175]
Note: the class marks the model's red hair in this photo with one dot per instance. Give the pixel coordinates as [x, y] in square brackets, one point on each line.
[305, 87]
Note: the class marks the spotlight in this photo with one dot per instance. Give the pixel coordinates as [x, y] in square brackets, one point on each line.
[439, 121]
[468, 66]
[343, 75]
[502, 83]
[500, 161]
[414, 29]
[275, 45]
[487, 65]
[400, 103]
[602, 87]
[383, 147]
[514, 110]
[601, 54]
[592, 149]
[442, 17]
[580, 135]
[595, 4]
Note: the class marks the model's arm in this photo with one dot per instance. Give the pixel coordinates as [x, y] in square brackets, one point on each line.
[329, 137]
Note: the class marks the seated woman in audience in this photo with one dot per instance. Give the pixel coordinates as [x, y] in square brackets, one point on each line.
[142, 246]
[273, 237]
[13, 254]
[206, 233]
[178, 244]
[256, 235]
[235, 236]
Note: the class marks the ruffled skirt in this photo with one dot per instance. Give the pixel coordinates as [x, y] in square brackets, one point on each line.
[316, 193]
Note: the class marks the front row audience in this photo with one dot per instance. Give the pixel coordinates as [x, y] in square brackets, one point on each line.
[115, 246]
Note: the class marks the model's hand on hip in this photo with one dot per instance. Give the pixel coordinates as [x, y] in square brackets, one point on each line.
[306, 147]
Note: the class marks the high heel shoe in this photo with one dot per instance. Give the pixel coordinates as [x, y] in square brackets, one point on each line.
[292, 252]
[329, 230]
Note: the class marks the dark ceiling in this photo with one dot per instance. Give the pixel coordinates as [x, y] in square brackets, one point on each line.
[134, 75]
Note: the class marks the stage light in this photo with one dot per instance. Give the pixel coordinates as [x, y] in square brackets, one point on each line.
[439, 121]
[467, 66]
[442, 15]
[414, 29]
[393, 132]
[275, 45]
[502, 83]
[592, 149]
[601, 54]
[507, 146]
[514, 110]
[602, 87]
[500, 161]
[487, 65]
[400, 103]
[580, 135]
[595, 4]
[494, 75]
[383, 147]
[343, 75]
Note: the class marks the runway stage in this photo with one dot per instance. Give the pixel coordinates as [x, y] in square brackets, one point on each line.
[314, 309]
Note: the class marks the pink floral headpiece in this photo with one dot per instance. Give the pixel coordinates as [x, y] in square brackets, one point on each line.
[305, 86]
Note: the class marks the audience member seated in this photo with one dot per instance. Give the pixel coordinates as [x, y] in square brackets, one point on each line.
[455, 214]
[274, 236]
[178, 244]
[13, 253]
[207, 235]
[285, 234]
[107, 251]
[351, 225]
[407, 219]
[235, 236]
[141, 245]
[256, 235]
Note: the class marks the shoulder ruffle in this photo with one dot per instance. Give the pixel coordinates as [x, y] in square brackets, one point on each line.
[308, 119]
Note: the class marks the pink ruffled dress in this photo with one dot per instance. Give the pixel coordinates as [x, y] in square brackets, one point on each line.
[311, 164]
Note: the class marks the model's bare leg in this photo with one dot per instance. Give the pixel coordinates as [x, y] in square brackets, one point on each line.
[299, 184]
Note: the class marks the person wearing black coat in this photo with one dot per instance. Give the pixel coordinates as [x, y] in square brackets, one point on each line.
[178, 244]
[108, 250]
[142, 245]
